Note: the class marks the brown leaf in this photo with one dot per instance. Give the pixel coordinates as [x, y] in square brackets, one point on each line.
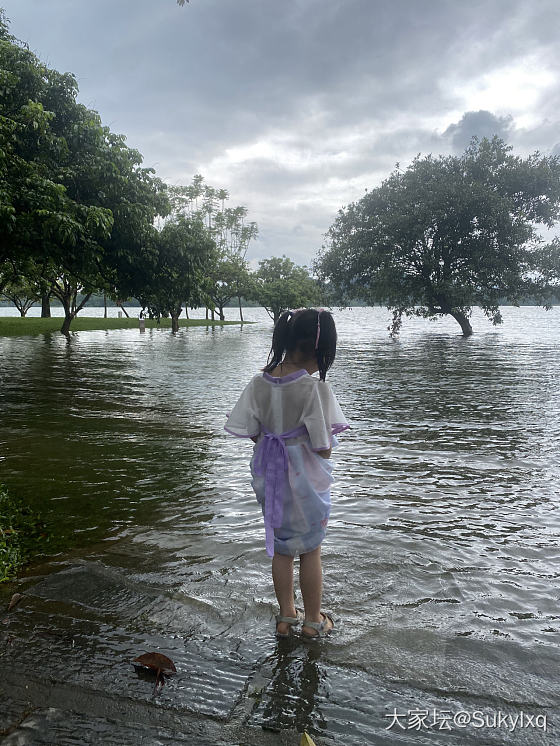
[157, 662]
[16, 598]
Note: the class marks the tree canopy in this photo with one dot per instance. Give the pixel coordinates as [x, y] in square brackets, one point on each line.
[184, 254]
[449, 233]
[77, 210]
[279, 284]
[228, 276]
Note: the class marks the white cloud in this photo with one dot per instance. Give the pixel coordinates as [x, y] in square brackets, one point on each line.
[515, 89]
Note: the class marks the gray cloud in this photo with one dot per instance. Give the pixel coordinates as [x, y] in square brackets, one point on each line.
[478, 124]
[297, 107]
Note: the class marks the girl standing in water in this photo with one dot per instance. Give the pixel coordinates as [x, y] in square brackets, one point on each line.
[293, 418]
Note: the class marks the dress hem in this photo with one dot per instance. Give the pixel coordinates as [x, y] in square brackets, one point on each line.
[238, 435]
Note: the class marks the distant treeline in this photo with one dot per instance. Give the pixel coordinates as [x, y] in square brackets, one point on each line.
[97, 301]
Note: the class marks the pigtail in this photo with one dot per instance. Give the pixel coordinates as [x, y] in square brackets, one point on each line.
[279, 342]
[325, 349]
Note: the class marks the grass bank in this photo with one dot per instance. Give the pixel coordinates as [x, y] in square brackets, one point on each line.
[23, 534]
[15, 326]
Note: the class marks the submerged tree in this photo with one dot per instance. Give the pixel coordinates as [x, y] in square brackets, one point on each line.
[279, 284]
[229, 278]
[447, 234]
[228, 229]
[184, 253]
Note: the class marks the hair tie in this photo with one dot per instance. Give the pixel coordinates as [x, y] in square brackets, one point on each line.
[293, 313]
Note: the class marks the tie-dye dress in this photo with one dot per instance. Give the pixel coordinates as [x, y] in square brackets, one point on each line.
[293, 417]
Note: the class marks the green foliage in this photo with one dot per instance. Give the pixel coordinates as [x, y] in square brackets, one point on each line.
[22, 534]
[16, 288]
[34, 209]
[76, 208]
[447, 234]
[184, 253]
[547, 259]
[279, 284]
[228, 277]
[226, 225]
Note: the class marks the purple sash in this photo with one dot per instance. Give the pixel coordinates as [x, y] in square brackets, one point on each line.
[271, 462]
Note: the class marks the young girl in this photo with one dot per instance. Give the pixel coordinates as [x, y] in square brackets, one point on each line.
[293, 417]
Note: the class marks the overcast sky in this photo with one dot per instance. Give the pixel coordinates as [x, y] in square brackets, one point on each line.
[297, 106]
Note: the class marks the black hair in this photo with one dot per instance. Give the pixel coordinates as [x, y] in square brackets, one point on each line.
[297, 330]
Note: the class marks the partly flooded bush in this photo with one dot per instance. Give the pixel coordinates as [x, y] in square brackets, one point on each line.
[22, 534]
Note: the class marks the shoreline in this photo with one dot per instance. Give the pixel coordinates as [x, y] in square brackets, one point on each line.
[16, 326]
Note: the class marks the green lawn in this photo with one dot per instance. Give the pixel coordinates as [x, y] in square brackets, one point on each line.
[14, 326]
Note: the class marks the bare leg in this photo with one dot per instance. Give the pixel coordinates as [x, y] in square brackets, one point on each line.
[311, 584]
[283, 577]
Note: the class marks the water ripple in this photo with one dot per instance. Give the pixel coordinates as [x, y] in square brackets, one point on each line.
[441, 559]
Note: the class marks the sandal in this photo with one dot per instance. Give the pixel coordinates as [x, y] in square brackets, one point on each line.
[319, 627]
[293, 621]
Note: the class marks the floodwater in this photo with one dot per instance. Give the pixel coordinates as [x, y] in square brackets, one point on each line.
[441, 558]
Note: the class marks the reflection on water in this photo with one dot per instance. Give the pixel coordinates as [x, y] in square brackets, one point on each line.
[441, 560]
[295, 687]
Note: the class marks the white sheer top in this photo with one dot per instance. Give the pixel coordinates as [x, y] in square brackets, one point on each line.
[280, 405]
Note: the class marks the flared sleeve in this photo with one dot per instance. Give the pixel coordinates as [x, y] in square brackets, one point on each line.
[323, 417]
[242, 421]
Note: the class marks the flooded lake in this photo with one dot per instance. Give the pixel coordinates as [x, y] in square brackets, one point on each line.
[441, 557]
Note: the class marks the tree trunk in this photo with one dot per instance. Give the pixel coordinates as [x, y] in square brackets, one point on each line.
[462, 320]
[240, 309]
[175, 319]
[123, 309]
[212, 314]
[65, 329]
[45, 306]
[105, 305]
[206, 313]
[221, 313]
[67, 295]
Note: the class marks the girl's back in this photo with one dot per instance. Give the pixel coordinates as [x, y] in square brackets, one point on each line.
[280, 405]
